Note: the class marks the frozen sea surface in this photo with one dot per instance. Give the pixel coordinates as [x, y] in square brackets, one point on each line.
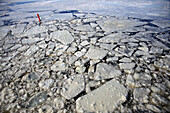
[25, 11]
[88, 63]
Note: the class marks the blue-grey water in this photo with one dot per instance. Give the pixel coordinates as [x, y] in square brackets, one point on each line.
[26, 10]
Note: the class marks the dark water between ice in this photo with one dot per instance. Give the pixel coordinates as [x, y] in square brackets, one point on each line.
[26, 10]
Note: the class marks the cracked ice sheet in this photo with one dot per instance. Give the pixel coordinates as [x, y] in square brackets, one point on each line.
[106, 97]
